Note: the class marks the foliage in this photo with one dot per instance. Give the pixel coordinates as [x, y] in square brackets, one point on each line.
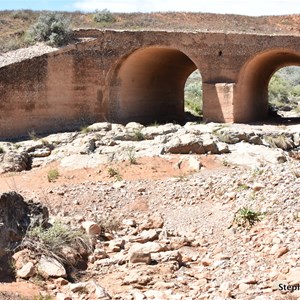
[242, 187]
[52, 175]
[154, 124]
[284, 88]
[131, 156]
[114, 173]
[52, 28]
[295, 91]
[1, 150]
[138, 135]
[193, 93]
[13, 43]
[247, 217]
[104, 16]
[52, 241]
[23, 14]
[85, 129]
[32, 134]
[278, 89]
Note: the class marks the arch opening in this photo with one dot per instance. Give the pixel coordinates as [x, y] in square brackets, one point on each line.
[193, 96]
[284, 92]
[252, 95]
[150, 86]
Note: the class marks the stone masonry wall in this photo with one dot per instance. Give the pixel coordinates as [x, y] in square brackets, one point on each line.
[81, 84]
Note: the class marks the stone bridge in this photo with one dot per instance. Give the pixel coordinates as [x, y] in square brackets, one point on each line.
[139, 76]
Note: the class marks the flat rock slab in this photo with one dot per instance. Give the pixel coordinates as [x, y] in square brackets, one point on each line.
[50, 267]
[78, 161]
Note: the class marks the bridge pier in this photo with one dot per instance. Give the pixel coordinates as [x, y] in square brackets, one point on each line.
[218, 102]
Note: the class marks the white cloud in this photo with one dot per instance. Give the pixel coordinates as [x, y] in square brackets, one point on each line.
[250, 7]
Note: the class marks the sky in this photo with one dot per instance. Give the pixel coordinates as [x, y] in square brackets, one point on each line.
[243, 7]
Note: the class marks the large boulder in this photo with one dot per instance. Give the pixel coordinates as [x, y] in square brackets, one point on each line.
[15, 162]
[185, 144]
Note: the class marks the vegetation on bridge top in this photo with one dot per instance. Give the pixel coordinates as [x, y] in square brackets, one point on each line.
[15, 24]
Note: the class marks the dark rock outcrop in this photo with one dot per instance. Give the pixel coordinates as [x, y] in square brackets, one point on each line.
[15, 217]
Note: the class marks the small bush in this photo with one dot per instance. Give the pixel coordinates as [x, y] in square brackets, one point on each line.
[104, 16]
[52, 241]
[32, 134]
[247, 217]
[17, 145]
[52, 175]
[138, 135]
[154, 124]
[22, 14]
[1, 150]
[13, 43]
[131, 156]
[114, 173]
[193, 94]
[52, 28]
[85, 129]
[243, 187]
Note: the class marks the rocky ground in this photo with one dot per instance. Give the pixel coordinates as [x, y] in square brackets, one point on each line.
[200, 211]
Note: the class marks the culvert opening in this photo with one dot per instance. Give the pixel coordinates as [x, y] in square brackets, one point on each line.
[284, 93]
[193, 97]
[150, 86]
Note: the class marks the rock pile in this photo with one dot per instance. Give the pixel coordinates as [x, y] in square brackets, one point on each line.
[145, 259]
[105, 142]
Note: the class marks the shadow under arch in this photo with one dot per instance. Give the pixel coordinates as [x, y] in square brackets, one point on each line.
[251, 100]
[148, 86]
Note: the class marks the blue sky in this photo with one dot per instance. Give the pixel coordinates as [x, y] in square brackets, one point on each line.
[249, 7]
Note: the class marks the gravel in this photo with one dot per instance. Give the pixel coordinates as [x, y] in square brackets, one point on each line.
[24, 53]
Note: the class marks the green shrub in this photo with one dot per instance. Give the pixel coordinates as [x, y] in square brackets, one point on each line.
[131, 156]
[13, 43]
[114, 173]
[85, 129]
[284, 88]
[23, 14]
[52, 28]
[104, 16]
[53, 240]
[247, 217]
[138, 135]
[52, 175]
[295, 91]
[193, 93]
[242, 187]
[1, 150]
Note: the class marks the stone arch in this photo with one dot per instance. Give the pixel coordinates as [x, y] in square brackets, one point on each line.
[251, 100]
[148, 85]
